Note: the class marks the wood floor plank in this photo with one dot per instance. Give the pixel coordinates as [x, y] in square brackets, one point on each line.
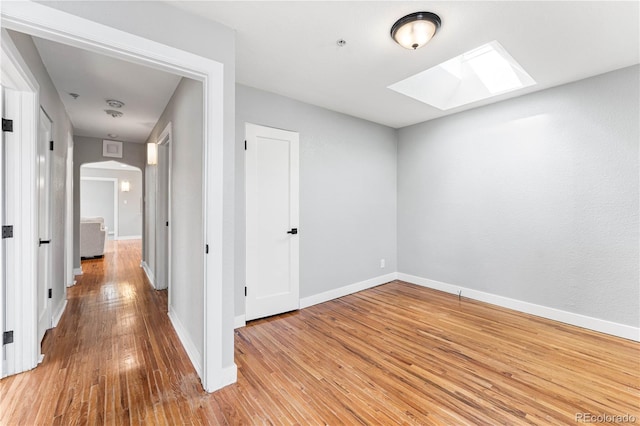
[393, 354]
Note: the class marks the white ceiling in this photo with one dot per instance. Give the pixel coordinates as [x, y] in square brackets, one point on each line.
[290, 47]
[96, 78]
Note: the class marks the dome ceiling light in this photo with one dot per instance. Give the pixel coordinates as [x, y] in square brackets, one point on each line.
[416, 29]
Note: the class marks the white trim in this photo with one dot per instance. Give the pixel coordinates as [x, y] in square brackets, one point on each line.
[3, 358]
[229, 375]
[215, 312]
[58, 314]
[188, 344]
[21, 202]
[595, 324]
[116, 193]
[346, 290]
[77, 272]
[166, 136]
[149, 273]
[68, 214]
[128, 237]
[239, 321]
[51, 24]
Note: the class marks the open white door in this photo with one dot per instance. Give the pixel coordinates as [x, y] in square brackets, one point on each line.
[44, 225]
[163, 217]
[272, 175]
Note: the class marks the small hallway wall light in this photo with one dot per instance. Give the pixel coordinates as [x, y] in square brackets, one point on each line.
[416, 29]
[152, 154]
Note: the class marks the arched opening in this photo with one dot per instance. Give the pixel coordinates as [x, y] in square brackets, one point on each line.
[113, 192]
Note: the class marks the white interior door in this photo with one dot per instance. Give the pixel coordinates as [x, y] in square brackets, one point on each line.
[272, 175]
[162, 217]
[44, 225]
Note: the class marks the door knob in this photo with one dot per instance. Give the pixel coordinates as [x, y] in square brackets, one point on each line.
[293, 231]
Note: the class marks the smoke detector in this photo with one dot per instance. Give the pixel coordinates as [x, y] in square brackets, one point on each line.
[115, 103]
[113, 113]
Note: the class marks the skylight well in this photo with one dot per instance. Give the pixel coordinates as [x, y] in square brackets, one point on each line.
[478, 74]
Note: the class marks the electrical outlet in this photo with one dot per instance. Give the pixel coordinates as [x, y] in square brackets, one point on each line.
[382, 263]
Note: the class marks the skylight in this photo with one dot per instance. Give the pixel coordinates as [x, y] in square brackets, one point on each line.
[478, 74]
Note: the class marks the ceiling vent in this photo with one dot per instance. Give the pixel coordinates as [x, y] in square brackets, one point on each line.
[114, 103]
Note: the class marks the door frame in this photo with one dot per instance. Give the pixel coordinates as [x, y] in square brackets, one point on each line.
[3, 283]
[21, 197]
[114, 181]
[68, 218]
[51, 24]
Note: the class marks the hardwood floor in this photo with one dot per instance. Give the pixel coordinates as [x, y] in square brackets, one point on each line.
[395, 354]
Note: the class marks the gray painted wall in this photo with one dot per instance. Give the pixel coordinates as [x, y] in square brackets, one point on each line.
[89, 150]
[129, 203]
[535, 198]
[61, 131]
[347, 191]
[96, 200]
[185, 113]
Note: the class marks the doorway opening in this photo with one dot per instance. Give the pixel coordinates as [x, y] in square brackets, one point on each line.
[111, 209]
[113, 191]
[216, 351]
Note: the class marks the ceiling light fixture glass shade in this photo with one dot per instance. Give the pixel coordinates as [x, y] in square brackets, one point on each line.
[416, 29]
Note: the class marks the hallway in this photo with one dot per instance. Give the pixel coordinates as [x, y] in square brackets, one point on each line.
[114, 357]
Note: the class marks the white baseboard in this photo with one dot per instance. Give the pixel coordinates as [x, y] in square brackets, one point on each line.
[72, 283]
[77, 271]
[187, 343]
[229, 376]
[149, 273]
[128, 237]
[239, 321]
[58, 314]
[346, 290]
[603, 326]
